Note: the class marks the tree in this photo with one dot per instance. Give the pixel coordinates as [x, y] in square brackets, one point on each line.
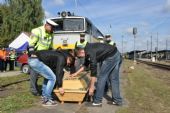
[18, 16]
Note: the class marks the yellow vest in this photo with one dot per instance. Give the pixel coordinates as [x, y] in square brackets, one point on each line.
[12, 56]
[111, 43]
[79, 44]
[40, 39]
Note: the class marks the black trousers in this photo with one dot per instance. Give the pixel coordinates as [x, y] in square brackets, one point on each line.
[11, 67]
[2, 65]
[6, 64]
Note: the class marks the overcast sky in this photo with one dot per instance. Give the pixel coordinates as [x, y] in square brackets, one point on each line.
[149, 16]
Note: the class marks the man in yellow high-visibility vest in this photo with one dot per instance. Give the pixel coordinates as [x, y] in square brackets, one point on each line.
[12, 57]
[109, 40]
[41, 39]
[80, 44]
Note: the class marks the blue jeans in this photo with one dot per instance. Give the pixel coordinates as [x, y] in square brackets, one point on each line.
[47, 73]
[109, 70]
[33, 81]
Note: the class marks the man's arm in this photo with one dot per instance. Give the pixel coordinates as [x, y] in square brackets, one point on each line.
[91, 60]
[59, 71]
[78, 72]
[51, 45]
[82, 68]
[92, 85]
[59, 74]
[34, 37]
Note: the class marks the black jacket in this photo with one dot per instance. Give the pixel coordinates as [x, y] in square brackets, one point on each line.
[56, 60]
[97, 52]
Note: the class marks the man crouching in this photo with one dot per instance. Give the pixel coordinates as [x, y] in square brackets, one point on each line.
[50, 65]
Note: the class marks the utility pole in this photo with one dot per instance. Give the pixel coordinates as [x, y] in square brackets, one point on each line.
[166, 49]
[157, 48]
[151, 46]
[147, 48]
[122, 45]
[147, 45]
[110, 26]
[134, 33]
[75, 5]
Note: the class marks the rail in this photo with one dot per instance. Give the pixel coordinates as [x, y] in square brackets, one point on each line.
[163, 66]
[15, 82]
[12, 83]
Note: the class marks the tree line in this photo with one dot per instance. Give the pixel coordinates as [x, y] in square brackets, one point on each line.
[18, 16]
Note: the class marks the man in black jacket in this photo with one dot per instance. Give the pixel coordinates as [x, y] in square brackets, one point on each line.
[111, 60]
[51, 68]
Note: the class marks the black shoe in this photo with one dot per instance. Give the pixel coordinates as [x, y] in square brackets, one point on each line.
[49, 103]
[96, 104]
[93, 104]
[114, 103]
[35, 94]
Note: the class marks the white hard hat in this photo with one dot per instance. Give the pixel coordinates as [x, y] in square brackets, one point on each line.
[49, 21]
[100, 37]
[82, 34]
[107, 36]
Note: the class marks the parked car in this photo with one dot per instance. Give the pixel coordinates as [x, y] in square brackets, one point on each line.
[22, 61]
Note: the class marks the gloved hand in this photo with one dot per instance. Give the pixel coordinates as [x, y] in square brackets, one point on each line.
[30, 51]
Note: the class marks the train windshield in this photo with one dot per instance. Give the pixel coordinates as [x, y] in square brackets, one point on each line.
[69, 24]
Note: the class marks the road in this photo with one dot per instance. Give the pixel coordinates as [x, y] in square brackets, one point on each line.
[9, 73]
[73, 108]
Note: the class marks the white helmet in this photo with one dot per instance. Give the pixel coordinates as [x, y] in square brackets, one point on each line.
[100, 37]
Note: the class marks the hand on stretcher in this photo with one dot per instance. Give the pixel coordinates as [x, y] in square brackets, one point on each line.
[61, 90]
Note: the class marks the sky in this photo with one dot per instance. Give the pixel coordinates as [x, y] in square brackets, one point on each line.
[118, 17]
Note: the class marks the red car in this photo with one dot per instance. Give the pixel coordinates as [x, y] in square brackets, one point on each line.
[23, 62]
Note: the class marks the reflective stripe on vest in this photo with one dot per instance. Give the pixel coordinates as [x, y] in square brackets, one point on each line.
[12, 56]
[79, 44]
[44, 41]
[111, 43]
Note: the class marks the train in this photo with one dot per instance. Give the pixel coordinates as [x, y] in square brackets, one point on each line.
[69, 28]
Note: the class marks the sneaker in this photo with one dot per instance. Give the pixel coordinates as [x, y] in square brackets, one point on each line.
[114, 103]
[96, 104]
[49, 103]
[35, 94]
[43, 98]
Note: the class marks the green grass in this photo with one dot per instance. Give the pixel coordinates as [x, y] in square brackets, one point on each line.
[16, 101]
[17, 96]
[6, 80]
[144, 91]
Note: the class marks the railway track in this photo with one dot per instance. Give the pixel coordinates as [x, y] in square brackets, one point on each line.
[158, 65]
[12, 83]
[15, 82]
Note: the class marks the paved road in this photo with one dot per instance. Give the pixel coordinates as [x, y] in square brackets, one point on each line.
[73, 108]
[10, 73]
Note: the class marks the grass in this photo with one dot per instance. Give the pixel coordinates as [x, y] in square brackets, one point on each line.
[145, 90]
[16, 101]
[6, 80]
[17, 96]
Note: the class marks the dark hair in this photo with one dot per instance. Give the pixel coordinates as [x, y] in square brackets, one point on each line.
[78, 49]
[71, 58]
